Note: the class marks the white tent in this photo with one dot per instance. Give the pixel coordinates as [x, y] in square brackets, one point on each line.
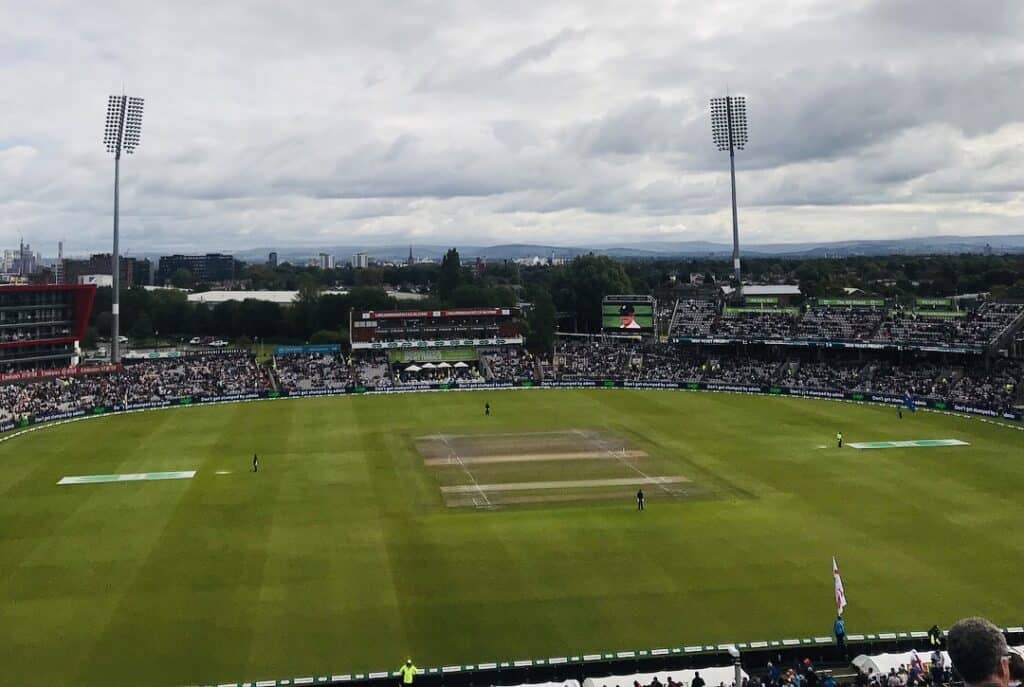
[882, 663]
[566, 683]
[460, 364]
[712, 676]
[413, 368]
[444, 365]
[428, 366]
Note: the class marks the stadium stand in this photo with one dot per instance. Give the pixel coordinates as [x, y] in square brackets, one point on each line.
[834, 376]
[312, 372]
[756, 323]
[149, 381]
[594, 359]
[920, 379]
[978, 328]
[508, 364]
[840, 323]
[372, 370]
[749, 371]
[693, 318]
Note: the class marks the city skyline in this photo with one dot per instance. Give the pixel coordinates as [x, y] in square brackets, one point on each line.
[579, 124]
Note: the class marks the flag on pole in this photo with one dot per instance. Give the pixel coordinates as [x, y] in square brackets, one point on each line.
[916, 662]
[840, 593]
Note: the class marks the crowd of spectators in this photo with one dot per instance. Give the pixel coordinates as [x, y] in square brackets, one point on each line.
[372, 370]
[917, 378]
[843, 323]
[741, 370]
[579, 360]
[832, 376]
[143, 382]
[979, 327]
[509, 364]
[767, 323]
[996, 386]
[660, 364]
[407, 374]
[584, 359]
[706, 318]
[312, 372]
[694, 318]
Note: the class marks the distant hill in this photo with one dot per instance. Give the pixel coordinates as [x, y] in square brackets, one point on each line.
[652, 249]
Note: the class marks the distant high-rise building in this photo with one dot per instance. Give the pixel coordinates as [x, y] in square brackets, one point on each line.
[272, 258]
[212, 267]
[411, 261]
[58, 269]
[360, 261]
[99, 263]
[326, 261]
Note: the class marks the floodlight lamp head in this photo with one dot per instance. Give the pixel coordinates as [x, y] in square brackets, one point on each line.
[112, 131]
[729, 122]
[132, 124]
[124, 124]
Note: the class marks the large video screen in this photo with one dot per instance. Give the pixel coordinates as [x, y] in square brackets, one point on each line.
[626, 317]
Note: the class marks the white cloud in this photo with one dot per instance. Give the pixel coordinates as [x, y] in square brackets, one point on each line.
[270, 124]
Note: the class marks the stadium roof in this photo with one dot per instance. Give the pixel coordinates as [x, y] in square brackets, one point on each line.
[281, 297]
[765, 290]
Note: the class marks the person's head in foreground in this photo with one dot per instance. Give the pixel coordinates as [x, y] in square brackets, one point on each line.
[979, 652]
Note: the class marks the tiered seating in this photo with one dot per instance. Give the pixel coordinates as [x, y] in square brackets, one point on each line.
[976, 328]
[578, 360]
[372, 370]
[918, 379]
[510, 364]
[312, 372]
[747, 371]
[835, 376]
[840, 323]
[767, 323]
[998, 388]
[143, 382]
[693, 318]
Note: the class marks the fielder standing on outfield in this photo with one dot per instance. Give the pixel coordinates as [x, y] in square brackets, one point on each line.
[839, 439]
[407, 672]
[640, 499]
[487, 408]
[255, 463]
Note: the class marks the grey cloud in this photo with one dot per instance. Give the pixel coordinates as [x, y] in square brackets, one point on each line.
[276, 123]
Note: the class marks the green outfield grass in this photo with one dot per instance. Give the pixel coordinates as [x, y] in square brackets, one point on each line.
[341, 554]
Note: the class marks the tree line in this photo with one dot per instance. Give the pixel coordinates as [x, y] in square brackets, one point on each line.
[566, 297]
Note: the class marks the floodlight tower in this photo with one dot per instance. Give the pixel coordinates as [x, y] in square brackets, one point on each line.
[729, 131]
[124, 126]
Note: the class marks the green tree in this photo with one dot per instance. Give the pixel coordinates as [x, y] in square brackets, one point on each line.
[451, 274]
[581, 286]
[142, 328]
[541, 321]
[182, 278]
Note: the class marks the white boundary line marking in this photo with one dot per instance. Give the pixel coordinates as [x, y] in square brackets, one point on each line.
[601, 446]
[454, 453]
[563, 484]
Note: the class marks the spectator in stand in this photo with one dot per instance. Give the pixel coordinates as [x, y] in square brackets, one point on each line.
[979, 653]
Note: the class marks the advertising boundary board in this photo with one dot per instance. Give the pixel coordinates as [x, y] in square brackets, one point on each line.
[925, 404]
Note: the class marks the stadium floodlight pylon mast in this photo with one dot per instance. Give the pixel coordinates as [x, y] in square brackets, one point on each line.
[124, 127]
[729, 132]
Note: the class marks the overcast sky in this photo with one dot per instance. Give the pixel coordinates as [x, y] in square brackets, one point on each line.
[275, 124]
